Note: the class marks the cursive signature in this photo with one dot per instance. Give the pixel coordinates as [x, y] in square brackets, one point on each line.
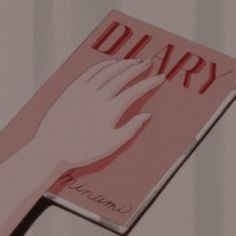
[85, 191]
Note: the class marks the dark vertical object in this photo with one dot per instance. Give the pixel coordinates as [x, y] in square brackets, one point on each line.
[31, 217]
[209, 210]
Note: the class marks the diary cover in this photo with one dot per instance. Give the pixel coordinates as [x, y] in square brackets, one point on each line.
[200, 85]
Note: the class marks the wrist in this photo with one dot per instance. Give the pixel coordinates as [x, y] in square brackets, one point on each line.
[46, 158]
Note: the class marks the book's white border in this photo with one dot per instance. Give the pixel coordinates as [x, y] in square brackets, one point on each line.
[123, 228]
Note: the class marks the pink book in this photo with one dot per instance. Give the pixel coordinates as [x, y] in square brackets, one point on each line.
[200, 84]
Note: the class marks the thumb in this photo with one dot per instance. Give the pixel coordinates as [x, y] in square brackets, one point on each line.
[127, 131]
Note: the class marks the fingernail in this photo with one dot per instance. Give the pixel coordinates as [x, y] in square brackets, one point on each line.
[160, 77]
[147, 61]
[138, 59]
[132, 60]
[146, 116]
[113, 60]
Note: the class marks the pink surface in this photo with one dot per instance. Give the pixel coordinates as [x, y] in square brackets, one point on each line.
[115, 187]
[178, 115]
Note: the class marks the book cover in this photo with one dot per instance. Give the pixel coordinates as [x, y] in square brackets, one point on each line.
[200, 84]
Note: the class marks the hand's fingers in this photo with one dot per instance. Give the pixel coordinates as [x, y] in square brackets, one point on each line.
[118, 82]
[127, 131]
[125, 99]
[92, 71]
[109, 72]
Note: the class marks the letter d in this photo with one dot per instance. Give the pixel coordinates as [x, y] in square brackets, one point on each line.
[113, 27]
